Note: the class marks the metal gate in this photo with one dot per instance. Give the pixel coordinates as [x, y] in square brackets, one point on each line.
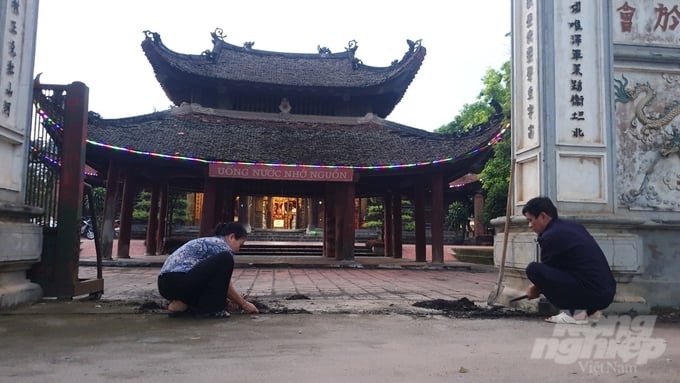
[55, 182]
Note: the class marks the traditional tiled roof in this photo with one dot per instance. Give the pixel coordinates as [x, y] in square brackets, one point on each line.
[220, 135]
[465, 180]
[244, 69]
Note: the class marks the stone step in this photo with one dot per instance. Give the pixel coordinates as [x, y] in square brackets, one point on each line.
[294, 250]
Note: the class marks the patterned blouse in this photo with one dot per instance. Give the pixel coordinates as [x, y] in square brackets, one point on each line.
[188, 255]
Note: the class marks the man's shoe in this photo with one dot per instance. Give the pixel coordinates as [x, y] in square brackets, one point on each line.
[564, 318]
[595, 317]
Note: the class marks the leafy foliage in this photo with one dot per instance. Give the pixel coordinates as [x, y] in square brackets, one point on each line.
[496, 173]
[177, 205]
[496, 178]
[496, 88]
[376, 215]
[458, 216]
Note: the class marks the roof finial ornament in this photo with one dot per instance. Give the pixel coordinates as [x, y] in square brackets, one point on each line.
[285, 106]
[210, 55]
[413, 45]
[323, 50]
[218, 35]
[152, 36]
[352, 46]
[248, 44]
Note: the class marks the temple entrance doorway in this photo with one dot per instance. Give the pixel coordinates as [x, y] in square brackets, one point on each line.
[281, 212]
[276, 212]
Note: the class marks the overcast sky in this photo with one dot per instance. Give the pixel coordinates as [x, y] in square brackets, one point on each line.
[98, 42]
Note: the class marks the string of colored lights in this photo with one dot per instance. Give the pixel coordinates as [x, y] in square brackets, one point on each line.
[473, 152]
[57, 129]
[491, 142]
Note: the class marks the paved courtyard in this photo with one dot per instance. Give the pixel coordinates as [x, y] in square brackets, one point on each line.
[356, 322]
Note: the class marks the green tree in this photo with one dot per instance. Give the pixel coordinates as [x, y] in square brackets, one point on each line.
[496, 174]
[140, 212]
[376, 215]
[495, 180]
[458, 217]
[470, 115]
[496, 90]
[177, 205]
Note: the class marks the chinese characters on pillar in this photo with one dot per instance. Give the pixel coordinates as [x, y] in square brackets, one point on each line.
[626, 13]
[10, 59]
[644, 21]
[577, 98]
[667, 20]
[530, 65]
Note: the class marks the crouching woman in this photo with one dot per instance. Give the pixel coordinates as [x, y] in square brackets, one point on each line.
[196, 278]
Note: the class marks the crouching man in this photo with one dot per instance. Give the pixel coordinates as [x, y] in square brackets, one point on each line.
[573, 273]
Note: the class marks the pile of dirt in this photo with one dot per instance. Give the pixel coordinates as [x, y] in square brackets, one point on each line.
[667, 314]
[465, 308]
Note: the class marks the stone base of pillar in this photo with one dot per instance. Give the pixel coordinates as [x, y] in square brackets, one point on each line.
[642, 255]
[16, 290]
[22, 246]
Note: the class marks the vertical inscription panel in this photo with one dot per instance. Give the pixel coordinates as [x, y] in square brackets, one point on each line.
[12, 22]
[579, 70]
[526, 129]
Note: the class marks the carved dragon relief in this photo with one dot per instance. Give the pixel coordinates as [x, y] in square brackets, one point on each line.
[658, 149]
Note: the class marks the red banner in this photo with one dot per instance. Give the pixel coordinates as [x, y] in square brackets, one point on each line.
[284, 173]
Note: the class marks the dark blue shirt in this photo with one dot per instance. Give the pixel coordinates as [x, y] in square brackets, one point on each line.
[567, 246]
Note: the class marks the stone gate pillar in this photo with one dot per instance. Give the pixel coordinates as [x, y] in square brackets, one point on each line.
[588, 133]
[21, 240]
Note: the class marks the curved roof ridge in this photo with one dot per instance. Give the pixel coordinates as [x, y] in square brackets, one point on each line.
[344, 67]
[193, 108]
[474, 131]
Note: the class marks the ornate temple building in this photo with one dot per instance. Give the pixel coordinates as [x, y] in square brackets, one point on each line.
[282, 141]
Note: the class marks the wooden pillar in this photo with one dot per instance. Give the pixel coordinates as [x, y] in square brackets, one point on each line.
[419, 215]
[110, 200]
[437, 218]
[329, 226]
[65, 271]
[478, 205]
[388, 225]
[209, 212]
[152, 221]
[226, 199]
[162, 218]
[344, 225]
[243, 211]
[313, 213]
[126, 208]
[397, 234]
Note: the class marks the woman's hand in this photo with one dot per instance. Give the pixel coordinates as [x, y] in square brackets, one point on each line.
[249, 307]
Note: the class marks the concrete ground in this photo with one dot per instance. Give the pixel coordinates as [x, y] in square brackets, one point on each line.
[361, 322]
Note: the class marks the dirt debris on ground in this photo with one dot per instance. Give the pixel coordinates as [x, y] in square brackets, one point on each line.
[465, 308]
[458, 308]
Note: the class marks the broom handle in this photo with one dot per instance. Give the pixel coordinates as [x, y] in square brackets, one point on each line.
[508, 207]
